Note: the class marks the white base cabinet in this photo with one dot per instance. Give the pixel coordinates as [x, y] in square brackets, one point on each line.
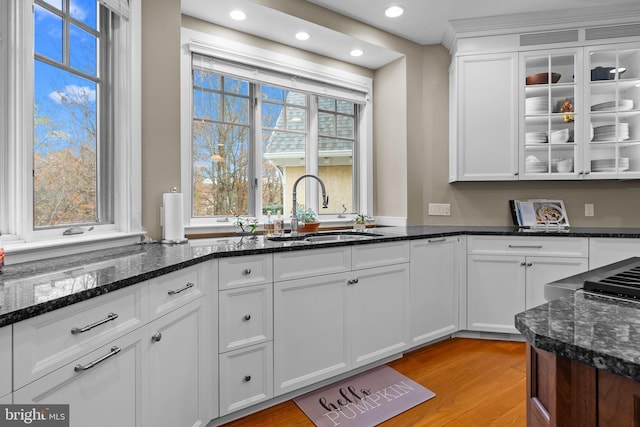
[604, 251]
[102, 388]
[6, 368]
[434, 293]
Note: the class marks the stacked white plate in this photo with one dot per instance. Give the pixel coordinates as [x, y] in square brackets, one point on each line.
[609, 133]
[533, 165]
[622, 105]
[537, 105]
[559, 136]
[609, 165]
[535, 137]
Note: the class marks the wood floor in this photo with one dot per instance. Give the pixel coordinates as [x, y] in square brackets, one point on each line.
[477, 383]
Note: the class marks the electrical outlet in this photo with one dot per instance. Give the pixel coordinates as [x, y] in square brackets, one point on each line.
[441, 209]
[588, 209]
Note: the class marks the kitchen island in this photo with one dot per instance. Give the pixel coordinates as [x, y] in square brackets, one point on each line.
[583, 361]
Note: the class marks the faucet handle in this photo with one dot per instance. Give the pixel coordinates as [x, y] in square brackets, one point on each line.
[325, 202]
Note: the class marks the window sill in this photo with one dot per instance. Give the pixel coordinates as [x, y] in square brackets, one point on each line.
[226, 228]
[19, 251]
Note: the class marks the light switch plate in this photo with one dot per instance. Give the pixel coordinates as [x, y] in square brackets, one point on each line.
[440, 209]
[588, 209]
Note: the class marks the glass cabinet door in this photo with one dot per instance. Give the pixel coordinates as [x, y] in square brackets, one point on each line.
[613, 100]
[550, 126]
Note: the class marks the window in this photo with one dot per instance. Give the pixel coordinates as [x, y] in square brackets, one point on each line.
[67, 152]
[252, 139]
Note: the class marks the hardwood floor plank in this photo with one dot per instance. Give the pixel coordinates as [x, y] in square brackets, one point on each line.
[477, 383]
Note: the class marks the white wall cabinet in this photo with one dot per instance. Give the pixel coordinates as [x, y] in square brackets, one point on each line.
[506, 275]
[486, 113]
[434, 292]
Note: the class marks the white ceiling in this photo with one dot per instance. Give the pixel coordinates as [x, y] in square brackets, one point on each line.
[424, 21]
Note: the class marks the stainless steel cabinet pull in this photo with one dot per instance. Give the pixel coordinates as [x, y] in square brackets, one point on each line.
[522, 263]
[114, 350]
[529, 264]
[109, 318]
[525, 246]
[247, 378]
[437, 240]
[177, 291]
[156, 337]
[352, 282]
[247, 317]
[247, 272]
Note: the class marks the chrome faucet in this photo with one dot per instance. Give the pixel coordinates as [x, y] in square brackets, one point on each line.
[294, 216]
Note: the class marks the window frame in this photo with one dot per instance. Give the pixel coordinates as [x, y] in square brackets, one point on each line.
[222, 49]
[16, 158]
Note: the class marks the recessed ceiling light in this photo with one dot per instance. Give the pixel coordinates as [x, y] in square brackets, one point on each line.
[356, 52]
[394, 11]
[238, 15]
[302, 35]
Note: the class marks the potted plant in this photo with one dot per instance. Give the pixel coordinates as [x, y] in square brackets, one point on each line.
[308, 220]
[360, 221]
[245, 226]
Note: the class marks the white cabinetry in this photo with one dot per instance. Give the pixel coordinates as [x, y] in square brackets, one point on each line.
[435, 281]
[486, 109]
[5, 363]
[506, 275]
[325, 325]
[245, 313]
[604, 251]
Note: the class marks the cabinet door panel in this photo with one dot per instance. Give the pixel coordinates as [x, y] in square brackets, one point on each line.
[496, 292]
[378, 313]
[434, 289]
[106, 395]
[543, 270]
[245, 316]
[487, 117]
[177, 363]
[310, 337]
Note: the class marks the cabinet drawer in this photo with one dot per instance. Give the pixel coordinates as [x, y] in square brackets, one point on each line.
[314, 262]
[379, 254]
[173, 290]
[5, 360]
[241, 271]
[246, 377]
[246, 316]
[543, 246]
[47, 342]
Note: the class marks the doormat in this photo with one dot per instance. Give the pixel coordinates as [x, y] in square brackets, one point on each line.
[364, 400]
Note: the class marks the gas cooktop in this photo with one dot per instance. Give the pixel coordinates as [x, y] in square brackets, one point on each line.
[621, 279]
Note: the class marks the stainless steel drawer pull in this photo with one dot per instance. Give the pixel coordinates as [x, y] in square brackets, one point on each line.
[525, 246]
[109, 318]
[114, 350]
[247, 378]
[247, 317]
[437, 240]
[156, 337]
[177, 291]
[247, 272]
[352, 282]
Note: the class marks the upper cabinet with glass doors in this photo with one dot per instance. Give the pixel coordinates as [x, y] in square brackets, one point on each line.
[613, 104]
[550, 124]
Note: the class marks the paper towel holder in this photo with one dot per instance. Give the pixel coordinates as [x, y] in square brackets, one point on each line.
[170, 241]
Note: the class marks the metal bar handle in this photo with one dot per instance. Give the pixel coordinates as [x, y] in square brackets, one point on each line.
[442, 239]
[114, 350]
[525, 246]
[111, 316]
[177, 291]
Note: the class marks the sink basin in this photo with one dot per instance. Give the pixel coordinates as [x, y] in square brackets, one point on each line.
[328, 237]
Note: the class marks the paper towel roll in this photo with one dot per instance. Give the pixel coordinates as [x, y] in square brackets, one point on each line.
[172, 226]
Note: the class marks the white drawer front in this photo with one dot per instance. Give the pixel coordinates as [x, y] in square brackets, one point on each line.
[529, 245]
[47, 342]
[175, 289]
[316, 262]
[379, 254]
[249, 270]
[5, 360]
[246, 316]
[246, 377]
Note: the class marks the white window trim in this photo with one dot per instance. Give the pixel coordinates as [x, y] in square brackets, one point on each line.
[21, 243]
[206, 44]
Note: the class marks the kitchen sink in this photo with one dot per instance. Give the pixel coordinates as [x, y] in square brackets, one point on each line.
[328, 237]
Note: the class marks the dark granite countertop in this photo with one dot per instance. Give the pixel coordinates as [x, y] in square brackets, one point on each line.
[33, 288]
[600, 332]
